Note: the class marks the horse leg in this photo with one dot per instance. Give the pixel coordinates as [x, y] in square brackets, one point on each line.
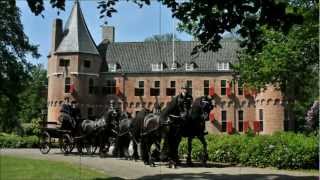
[126, 147]
[156, 152]
[102, 150]
[135, 151]
[150, 157]
[205, 150]
[145, 150]
[164, 153]
[189, 159]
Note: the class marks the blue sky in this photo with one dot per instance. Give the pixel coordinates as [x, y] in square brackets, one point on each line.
[131, 23]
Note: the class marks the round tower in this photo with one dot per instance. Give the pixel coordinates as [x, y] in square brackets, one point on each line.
[73, 66]
[269, 111]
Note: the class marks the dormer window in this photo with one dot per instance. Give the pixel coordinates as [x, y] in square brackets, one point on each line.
[112, 67]
[223, 66]
[174, 66]
[189, 66]
[157, 67]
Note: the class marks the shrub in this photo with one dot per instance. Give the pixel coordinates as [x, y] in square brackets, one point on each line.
[281, 150]
[15, 141]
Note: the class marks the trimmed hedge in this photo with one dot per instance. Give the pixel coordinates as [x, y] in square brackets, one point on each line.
[15, 141]
[281, 150]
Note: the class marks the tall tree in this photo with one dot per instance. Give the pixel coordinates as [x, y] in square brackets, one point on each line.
[207, 20]
[288, 60]
[14, 46]
[33, 98]
[162, 37]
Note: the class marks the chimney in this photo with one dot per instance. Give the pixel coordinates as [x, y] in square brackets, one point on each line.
[56, 34]
[108, 33]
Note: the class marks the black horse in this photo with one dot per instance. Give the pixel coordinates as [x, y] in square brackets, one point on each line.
[195, 125]
[131, 129]
[100, 131]
[149, 128]
[90, 132]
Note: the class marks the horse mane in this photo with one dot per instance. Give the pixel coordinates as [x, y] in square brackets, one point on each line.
[197, 102]
[196, 108]
[169, 108]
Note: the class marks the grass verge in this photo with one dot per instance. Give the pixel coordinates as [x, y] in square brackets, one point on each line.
[17, 168]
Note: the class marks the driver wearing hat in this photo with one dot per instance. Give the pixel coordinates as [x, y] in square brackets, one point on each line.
[185, 98]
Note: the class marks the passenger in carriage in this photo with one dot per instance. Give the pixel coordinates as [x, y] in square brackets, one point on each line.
[66, 106]
[75, 111]
[186, 99]
[65, 120]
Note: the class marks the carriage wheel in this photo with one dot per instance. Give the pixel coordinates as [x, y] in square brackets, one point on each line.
[79, 147]
[67, 144]
[90, 148]
[61, 145]
[44, 142]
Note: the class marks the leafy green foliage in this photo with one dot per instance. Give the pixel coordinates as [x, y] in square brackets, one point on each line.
[281, 150]
[32, 99]
[162, 38]
[207, 20]
[290, 61]
[15, 141]
[14, 67]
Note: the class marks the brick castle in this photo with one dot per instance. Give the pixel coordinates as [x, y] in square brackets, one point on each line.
[142, 74]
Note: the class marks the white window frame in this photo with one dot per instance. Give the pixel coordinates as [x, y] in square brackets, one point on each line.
[189, 66]
[223, 66]
[157, 67]
[174, 66]
[112, 67]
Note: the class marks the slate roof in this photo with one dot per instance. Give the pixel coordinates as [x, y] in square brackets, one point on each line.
[137, 57]
[76, 36]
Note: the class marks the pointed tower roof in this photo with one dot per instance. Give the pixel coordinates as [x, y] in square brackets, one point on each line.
[76, 36]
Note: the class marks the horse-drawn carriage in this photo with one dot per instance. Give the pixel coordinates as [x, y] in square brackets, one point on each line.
[84, 135]
[178, 119]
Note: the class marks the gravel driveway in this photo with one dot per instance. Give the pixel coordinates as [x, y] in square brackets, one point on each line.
[128, 169]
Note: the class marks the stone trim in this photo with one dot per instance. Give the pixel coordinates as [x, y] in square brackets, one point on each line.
[80, 73]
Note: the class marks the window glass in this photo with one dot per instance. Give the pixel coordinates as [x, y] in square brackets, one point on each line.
[223, 87]
[223, 121]
[112, 67]
[240, 120]
[87, 64]
[64, 62]
[206, 85]
[67, 84]
[91, 86]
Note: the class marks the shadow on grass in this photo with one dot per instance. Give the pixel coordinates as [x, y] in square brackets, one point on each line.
[206, 176]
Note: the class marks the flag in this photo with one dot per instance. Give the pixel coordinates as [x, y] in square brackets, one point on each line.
[229, 86]
[229, 127]
[211, 117]
[211, 91]
[72, 88]
[256, 126]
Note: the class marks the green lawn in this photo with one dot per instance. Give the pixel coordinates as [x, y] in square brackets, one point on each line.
[16, 168]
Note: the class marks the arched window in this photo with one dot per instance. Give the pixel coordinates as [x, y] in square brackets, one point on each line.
[91, 86]
[67, 83]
